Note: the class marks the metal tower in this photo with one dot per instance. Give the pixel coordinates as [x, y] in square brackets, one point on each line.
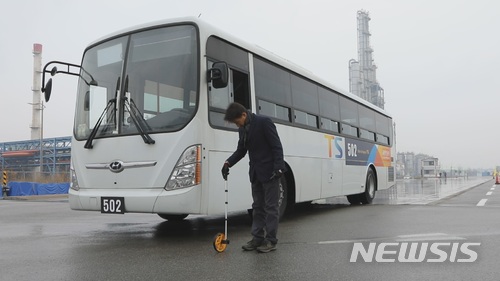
[37, 104]
[362, 73]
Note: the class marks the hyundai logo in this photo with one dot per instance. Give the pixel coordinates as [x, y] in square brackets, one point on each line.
[116, 166]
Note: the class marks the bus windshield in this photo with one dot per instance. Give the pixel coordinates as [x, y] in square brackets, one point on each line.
[145, 81]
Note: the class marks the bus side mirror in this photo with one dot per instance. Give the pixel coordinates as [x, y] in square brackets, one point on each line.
[218, 75]
[47, 90]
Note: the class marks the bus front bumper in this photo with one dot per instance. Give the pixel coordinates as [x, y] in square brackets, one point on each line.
[182, 201]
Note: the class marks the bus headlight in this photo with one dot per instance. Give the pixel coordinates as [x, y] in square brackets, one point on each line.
[187, 171]
[74, 181]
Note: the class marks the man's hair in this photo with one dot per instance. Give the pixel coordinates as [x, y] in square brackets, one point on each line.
[234, 111]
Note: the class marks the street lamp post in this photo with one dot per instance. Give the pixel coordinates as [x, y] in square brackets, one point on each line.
[41, 136]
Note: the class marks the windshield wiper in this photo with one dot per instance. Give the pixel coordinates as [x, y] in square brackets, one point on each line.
[88, 143]
[139, 122]
[92, 135]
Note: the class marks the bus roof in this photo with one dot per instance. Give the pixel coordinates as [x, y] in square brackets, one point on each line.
[252, 48]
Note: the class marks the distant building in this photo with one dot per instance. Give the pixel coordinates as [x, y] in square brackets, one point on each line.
[430, 168]
[411, 165]
[48, 156]
[406, 165]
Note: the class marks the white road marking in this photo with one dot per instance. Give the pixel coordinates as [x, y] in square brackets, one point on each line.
[489, 193]
[343, 241]
[400, 238]
[427, 237]
[482, 202]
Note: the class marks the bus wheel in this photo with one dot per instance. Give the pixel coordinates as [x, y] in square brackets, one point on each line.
[171, 217]
[370, 187]
[283, 200]
[367, 196]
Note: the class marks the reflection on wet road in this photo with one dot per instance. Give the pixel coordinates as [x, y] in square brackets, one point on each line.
[419, 191]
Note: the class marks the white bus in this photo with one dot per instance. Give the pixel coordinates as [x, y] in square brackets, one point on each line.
[149, 135]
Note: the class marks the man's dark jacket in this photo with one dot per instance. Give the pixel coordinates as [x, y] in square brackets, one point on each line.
[260, 138]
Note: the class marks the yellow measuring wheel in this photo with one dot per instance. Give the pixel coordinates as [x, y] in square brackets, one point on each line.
[220, 243]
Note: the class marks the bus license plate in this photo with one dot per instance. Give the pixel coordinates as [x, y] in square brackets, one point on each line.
[112, 205]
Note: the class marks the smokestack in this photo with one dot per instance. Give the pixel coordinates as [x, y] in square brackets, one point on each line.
[37, 104]
[362, 73]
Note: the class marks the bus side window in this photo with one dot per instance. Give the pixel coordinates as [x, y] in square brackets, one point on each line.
[240, 88]
[237, 90]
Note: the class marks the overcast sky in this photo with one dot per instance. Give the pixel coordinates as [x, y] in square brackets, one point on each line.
[438, 60]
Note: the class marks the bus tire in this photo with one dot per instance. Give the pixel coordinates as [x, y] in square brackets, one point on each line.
[173, 217]
[370, 188]
[283, 199]
[367, 196]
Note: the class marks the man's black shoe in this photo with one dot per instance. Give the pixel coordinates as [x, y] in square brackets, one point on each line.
[266, 247]
[251, 245]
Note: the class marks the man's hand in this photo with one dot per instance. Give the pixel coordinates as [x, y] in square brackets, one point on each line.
[276, 174]
[225, 170]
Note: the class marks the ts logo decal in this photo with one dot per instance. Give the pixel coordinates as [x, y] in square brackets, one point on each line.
[338, 142]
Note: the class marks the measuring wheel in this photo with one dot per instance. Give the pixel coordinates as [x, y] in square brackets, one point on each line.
[220, 239]
[220, 242]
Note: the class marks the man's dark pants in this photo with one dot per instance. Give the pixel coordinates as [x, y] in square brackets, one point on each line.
[265, 210]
